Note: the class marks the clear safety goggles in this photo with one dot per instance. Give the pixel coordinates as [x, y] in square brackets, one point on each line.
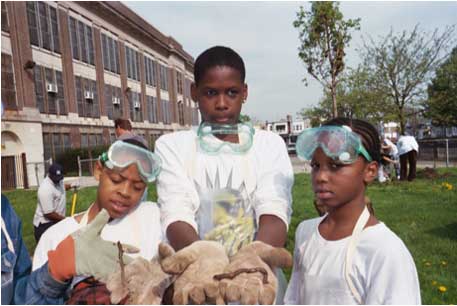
[338, 142]
[211, 135]
[122, 154]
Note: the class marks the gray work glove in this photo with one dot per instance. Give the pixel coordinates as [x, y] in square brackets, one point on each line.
[86, 253]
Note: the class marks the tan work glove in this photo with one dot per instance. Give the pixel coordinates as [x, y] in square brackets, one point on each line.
[144, 280]
[249, 287]
[197, 264]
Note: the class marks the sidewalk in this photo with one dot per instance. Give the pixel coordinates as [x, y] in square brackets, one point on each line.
[300, 166]
[81, 181]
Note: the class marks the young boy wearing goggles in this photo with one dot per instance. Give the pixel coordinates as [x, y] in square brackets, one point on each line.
[116, 215]
[347, 256]
[223, 186]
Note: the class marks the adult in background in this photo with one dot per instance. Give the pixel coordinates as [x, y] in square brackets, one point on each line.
[407, 150]
[122, 128]
[51, 205]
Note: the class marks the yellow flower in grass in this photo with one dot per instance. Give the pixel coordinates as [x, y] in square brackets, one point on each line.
[427, 264]
[444, 263]
[447, 186]
[434, 283]
[442, 289]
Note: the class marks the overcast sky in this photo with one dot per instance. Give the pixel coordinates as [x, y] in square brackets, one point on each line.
[263, 34]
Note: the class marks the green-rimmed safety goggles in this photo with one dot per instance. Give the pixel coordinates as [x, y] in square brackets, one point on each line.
[337, 142]
[122, 154]
[210, 134]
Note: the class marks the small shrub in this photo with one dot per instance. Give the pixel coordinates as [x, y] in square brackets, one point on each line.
[69, 158]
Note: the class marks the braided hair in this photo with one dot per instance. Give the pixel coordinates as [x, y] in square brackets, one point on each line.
[367, 132]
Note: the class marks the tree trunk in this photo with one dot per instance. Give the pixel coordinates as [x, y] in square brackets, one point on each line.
[402, 121]
[335, 110]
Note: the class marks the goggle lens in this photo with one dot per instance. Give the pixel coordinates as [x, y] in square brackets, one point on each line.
[337, 142]
[122, 154]
[212, 138]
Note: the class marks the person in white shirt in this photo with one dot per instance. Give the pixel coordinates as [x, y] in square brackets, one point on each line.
[407, 150]
[224, 182]
[123, 173]
[389, 159]
[393, 155]
[51, 204]
[347, 256]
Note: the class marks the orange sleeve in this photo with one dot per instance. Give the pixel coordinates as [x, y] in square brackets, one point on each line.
[61, 261]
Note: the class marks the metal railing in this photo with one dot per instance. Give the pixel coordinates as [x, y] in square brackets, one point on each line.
[86, 166]
[438, 150]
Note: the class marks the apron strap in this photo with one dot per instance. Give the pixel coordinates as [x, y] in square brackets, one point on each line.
[8, 238]
[85, 218]
[361, 222]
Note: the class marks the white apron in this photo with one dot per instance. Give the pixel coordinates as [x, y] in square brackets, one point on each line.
[336, 290]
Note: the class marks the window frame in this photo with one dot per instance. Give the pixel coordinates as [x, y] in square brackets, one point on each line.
[39, 30]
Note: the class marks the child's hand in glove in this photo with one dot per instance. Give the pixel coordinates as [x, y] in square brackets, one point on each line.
[145, 282]
[197, 263]
[86, 253]
[249, 288]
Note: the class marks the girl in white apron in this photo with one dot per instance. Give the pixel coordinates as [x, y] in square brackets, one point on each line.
[347, 256]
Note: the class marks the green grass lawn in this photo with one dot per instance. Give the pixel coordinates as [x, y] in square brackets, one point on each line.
[423, 213]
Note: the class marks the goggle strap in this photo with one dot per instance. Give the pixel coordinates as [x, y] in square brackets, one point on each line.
[365, 153]
[103, 158]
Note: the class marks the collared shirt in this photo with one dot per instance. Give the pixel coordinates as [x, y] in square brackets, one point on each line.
[51, 198]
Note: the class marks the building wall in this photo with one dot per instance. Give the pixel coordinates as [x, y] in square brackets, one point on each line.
[27, 139]
[45, 56]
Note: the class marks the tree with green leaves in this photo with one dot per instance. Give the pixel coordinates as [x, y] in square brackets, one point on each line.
[324, 35]
[357, 98]
[402, 64]
[441, 105]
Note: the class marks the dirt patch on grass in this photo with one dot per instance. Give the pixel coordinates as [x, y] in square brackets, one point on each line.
[432, 174]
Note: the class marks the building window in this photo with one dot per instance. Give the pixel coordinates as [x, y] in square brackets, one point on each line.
[166, 112]
[49, 91]
[179, 85]
[152, 139]
[112, 137]
[82, 42]
[150, 71]
[132, 58]
[181, 112]
[91, 140]
[87, 97]
[152, 109]
[5, 21]
[186, 88]
[113, 101]
[8, 83]
[136, 113]
[84, 141]
[43, 26]
[195, 116]
[163, 77]
[55, 144]
[110, 54]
